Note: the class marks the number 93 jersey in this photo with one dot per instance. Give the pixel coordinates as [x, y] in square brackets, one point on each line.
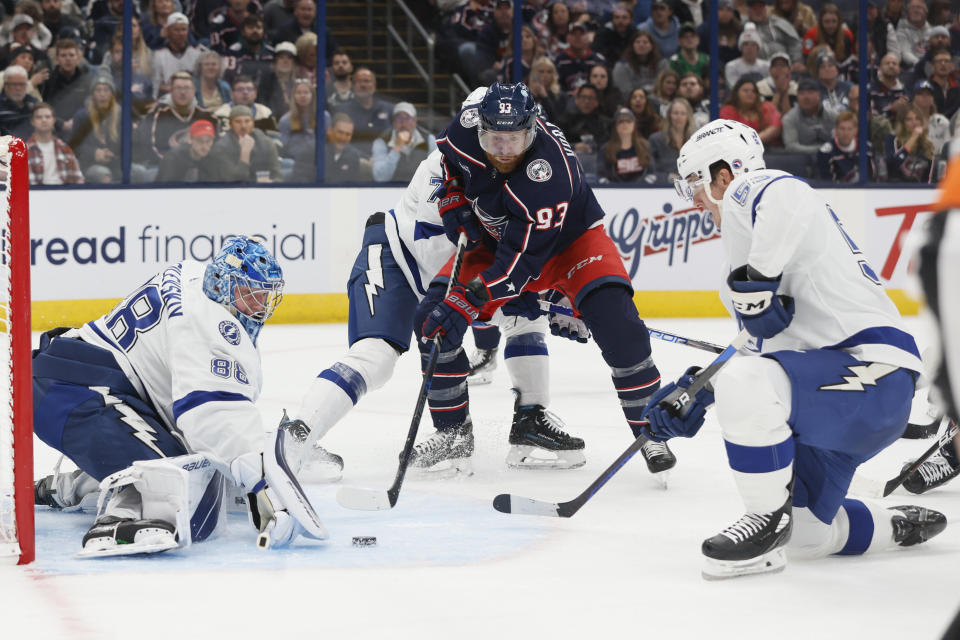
[781, 226]
[190, 358]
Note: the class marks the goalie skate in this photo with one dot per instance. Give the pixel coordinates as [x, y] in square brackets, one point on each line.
[538, 441]
[112, 536]
[756, 543]
[446, 453]
[659, 460]
[483, 362]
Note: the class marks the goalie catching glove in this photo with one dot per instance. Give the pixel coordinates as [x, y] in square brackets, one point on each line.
[665, 421]
[279, 508]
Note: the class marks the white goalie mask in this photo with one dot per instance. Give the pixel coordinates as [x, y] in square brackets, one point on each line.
[735, 143]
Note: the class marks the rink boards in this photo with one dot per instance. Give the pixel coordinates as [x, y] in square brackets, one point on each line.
[90, 247]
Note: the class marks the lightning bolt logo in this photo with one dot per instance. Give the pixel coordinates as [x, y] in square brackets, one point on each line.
[862, 375]
[374, 273]
[141, 430]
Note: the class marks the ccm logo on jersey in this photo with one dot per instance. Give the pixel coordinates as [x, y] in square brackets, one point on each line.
[582, 264]
[230, 332]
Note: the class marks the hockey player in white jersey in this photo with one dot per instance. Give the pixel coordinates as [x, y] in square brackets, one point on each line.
[826, 381]
[155, 401]
[402, 251]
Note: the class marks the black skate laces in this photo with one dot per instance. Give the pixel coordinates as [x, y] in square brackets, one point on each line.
[748, 525]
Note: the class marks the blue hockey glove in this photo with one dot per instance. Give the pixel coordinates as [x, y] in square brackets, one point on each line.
[457, 215]
[526, 305]
[762, 312]
[455, 314]
[663, 419]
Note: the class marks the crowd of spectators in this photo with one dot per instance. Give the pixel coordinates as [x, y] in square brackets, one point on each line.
[628, 81]
[226, 90]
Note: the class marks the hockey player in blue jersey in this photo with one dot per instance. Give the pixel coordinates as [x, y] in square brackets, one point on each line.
[403, 248]
[513, 184]
[826, 383]
[154, 402]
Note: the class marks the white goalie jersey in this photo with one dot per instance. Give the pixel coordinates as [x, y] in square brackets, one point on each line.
[778, 224]
[190, 358]
[414, 228]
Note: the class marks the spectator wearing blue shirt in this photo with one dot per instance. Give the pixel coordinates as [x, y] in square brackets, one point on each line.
[663, 27]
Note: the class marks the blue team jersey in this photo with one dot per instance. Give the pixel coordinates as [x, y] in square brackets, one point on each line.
[532, 213]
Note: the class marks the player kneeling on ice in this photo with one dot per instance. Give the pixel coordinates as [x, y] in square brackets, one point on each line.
[154, 402]
[825, 383]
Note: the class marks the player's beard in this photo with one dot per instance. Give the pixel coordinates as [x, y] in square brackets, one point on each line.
[505, 167]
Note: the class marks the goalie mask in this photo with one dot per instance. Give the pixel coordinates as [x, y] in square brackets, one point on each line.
[247, 280]
[736, 144]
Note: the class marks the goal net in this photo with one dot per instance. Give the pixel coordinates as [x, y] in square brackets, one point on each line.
[16, 382]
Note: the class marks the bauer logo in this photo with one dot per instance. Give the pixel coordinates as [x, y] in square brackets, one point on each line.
[230, 332]
[673, 233]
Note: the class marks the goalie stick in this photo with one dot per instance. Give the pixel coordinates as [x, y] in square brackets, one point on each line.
[509, 503]
[377, 500]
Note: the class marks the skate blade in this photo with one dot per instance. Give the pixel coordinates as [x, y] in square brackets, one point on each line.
[451, 468]
[771, 562]
[530, 457]
[663, 479]
[480, 378]
[320, 472]
[152, 545]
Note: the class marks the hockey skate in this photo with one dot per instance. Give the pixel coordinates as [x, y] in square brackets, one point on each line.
[318, 465]
[446, 453]
[914, 525]
[756, 543]
[113, 536]
[934, 472]
[659, 460]
[483, 362]
[538, 441]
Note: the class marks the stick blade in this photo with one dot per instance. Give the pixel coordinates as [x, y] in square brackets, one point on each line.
[364, 499]
[507, 503]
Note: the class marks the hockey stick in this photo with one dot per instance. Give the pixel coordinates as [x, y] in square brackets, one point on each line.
[947, 436]
[509, 503]
[377, 500]
[654, 333]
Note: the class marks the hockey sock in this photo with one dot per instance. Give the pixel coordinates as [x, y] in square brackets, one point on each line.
[448, 398]
[526, 358]
[868, 527]
[617, 329]
[762, 473]
[486, 337]
[366, 366]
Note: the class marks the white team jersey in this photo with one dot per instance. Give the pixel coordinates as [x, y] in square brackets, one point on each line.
[414, 228]
[778, 224]
[190, 358]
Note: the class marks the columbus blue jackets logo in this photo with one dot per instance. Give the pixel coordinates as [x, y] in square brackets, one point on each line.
[230, 332]
[539, 170]
[469, 118]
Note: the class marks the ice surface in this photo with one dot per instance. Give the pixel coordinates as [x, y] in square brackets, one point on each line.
[447, 565]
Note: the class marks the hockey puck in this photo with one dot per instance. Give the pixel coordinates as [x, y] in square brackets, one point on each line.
[364, 541]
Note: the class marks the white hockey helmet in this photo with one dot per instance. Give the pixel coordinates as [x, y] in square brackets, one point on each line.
[728, 140]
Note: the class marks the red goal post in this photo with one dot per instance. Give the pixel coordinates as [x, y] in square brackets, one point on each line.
[16, 386]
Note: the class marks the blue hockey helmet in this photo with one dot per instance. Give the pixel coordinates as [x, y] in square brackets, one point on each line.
[508, 119]
[246, 279]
